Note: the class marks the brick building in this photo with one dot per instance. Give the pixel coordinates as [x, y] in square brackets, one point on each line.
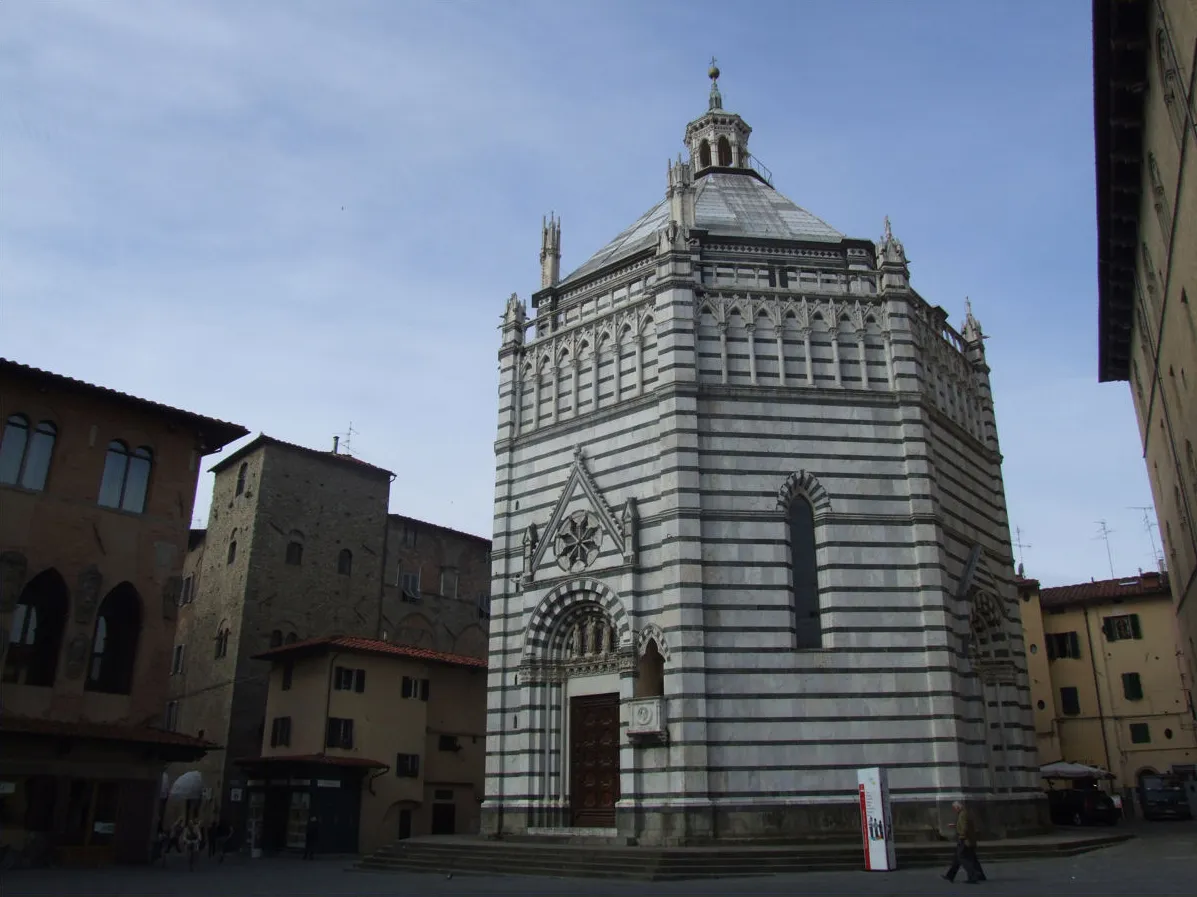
[96, 492]
[299, 545]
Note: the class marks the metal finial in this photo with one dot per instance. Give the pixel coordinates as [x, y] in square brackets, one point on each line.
[716, 97]
[713, 71]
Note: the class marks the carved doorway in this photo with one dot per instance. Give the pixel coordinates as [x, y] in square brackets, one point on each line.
[594, 760]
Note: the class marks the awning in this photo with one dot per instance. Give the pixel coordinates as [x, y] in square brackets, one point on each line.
[188, 786]
[312, 760]
[1064, 770]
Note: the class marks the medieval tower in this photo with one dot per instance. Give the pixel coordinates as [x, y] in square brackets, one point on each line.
[750, 533]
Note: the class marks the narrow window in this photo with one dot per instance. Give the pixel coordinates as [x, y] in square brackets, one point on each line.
[1070, 702]
[343, 679]
[276, 638]
[12, 448]
[425, 688]
[37, 626]
[232, 555]
[114, 643]
[176, 661]
[280, 731]
[807, 628]
[411, 586]
[448, 582]
[359, 681]
[288, 674]
[407, 766]
[25, 456]
[407, 687]
[1140, 733]
[171, 721]
[484, 606]
[1132, 687]
[725, 153]
[295, 548]
[345, 562]
[241, 474]
[704, 155]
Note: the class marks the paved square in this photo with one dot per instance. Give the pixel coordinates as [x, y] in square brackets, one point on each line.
[1163, 860]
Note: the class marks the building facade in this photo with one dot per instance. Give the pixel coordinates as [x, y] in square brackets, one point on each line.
[96, 491]
[299, 545]
[750, 534]
[1108, 677]
[394, 749]
[1145, 113]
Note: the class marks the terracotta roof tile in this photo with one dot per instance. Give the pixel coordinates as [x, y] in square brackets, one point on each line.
[315, 759]
[1149, 584]
[219, 433]
[25, 725]
[369, 646]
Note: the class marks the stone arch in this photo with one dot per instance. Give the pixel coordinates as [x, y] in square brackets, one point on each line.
[115, 641]
[704, 154]
[724, 151]
[544, 625]
[646, 323]
[39, 624]
[625, 330]
[471, 642]
[804, 483]
[417, 630]
[652, 633]
[734, 309]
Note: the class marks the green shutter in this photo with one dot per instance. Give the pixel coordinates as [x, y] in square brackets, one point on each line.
[1074, 645]
[1132, 687]
[1135, 630]
[1107, 627]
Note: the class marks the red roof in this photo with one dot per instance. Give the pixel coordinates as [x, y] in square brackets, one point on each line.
[217, 433]
[368, 646]
[315, 759]
[262, 439]
[1146, 585]
[25, 725]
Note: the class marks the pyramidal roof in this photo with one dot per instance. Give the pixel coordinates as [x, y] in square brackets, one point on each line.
[730, 198]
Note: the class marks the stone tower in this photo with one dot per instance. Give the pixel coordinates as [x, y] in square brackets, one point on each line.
[750, 533]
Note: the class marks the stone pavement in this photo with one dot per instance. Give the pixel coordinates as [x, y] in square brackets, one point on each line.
[1163, 860]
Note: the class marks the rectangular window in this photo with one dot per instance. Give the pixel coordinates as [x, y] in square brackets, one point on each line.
[414, 688]
[407, 766]
[484, 607]
[176, 661]
[1070, 701]
[409, 535]
[408, 685]
[1063, 644]
[1140, 733]
[410, 583]
[424, 689]
[1132, 687]
[1121, 628]
[340, 733]
[359, 681]
[448, 743]
[288, 674]
[448, 582]
[280, 731]
[347, 679]
[171, 722]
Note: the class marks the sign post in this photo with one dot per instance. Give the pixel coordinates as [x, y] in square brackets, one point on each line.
[876, 821]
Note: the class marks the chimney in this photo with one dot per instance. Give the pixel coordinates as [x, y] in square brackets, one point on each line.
[336, 443]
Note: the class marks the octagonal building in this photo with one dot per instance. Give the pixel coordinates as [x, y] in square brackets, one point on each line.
[750, 534]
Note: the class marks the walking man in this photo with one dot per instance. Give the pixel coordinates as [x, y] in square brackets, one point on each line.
[310, 837]
[966, 848]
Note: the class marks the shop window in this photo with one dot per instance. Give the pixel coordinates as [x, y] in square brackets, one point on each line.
[36, 630]
[114, 642]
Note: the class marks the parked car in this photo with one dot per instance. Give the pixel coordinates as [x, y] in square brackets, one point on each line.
[1163, 797]
[1082, 806]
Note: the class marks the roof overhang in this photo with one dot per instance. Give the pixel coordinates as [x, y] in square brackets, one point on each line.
[1120, 57]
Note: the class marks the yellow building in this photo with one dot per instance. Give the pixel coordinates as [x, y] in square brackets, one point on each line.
[1108, 679]
[1145, 128]
[378, 741]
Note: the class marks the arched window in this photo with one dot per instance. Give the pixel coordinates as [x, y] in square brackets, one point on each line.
[805, 573]
[276, 638]
[232, 556]
[38, 622]
[126, 477]
[114, 645]
[725, 153]
[704, 155]
[241, 472]
[25, 456]
[291, 638]
[295, 548]
[345, 562]
[222, 639]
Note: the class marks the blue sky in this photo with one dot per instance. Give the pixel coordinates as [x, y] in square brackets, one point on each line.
[301, 214]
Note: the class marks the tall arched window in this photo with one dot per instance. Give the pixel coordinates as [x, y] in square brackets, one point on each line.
[126, 477]
[241, 474]
[345, 562]
[232, 556]
[295, 548]
[114, 645]
[222, 639]
[725, 153]
[805, 573]
[38, 622]
[704, 155]
[25, 455]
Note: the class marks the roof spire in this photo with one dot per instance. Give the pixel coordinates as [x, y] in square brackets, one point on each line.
[716, 97]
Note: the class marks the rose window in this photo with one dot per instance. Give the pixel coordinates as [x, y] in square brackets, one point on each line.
[578, 541]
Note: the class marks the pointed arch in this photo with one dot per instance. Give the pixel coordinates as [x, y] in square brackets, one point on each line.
[805, 484]
[725, 152]
[38, 624]
[544, 631]
[645, 323]
[652, 633]
[704, 154]
[115, 641]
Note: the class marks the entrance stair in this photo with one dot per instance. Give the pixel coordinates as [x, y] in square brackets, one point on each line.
[466, 855]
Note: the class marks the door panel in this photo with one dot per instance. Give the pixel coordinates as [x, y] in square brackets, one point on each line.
[594, 760]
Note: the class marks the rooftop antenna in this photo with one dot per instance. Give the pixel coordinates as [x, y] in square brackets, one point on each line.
[1150, 525]
[1021, 546]
[343, 443]
[1103, 532]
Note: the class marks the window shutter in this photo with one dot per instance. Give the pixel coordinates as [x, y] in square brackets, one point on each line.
[347, 731]
[1136, 632]
[1107, 627]
[1074, 645]
[415, 764]
[424, 688]
[359, 681]
[1051, 646]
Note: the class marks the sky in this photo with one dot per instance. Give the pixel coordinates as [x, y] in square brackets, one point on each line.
[305, 216]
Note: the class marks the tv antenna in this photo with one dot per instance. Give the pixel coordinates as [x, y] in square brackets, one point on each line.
[346, 440]
[1103, 532]
[1021, 546]
[1150, 525]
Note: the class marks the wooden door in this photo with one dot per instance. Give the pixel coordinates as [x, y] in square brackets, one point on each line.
[594, 760]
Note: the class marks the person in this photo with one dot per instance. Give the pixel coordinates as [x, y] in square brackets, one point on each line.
[966, 848]
[192, 838]
[310, 836]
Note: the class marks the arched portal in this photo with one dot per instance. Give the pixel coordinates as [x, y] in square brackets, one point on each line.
[114, 641]
[38, 623]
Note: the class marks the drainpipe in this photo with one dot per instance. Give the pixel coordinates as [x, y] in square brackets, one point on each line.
[332, 660]
[1101, 716]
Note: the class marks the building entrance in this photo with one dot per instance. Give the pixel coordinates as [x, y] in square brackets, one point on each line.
[594, 760]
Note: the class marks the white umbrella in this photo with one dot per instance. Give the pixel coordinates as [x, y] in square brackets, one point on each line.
[1065, 770]
[188, 786]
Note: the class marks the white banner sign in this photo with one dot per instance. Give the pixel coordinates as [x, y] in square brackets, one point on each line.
[876, 821]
